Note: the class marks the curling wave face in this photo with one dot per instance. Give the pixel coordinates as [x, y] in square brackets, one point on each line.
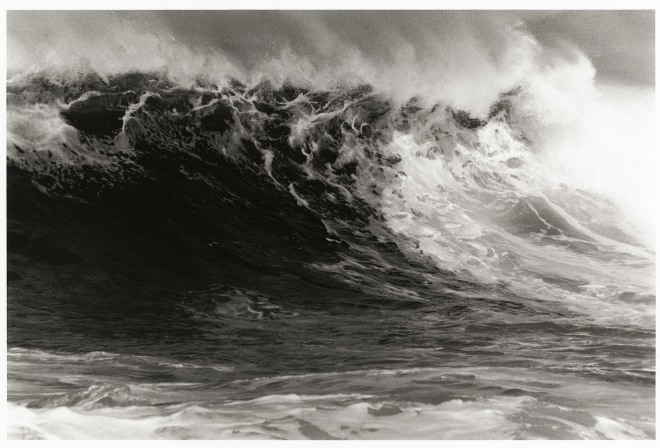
[288, 232]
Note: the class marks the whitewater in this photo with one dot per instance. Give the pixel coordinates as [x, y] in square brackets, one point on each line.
[325, 242]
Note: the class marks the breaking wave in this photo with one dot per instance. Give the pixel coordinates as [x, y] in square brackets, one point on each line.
[209, 245]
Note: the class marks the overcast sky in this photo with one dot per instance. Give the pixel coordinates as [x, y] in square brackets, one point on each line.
[620, 44]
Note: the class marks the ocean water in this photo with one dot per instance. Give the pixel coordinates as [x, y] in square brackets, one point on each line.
[244, 259]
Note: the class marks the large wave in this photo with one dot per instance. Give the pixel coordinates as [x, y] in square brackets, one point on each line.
[338, 168]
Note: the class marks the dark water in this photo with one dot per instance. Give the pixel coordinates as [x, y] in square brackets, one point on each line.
[260, 262]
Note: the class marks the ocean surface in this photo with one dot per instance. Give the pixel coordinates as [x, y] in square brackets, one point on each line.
[260, 261]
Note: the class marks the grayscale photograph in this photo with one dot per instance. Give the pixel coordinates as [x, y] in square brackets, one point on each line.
[330, 224]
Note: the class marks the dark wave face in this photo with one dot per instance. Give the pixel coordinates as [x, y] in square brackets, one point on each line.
[255, 261]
